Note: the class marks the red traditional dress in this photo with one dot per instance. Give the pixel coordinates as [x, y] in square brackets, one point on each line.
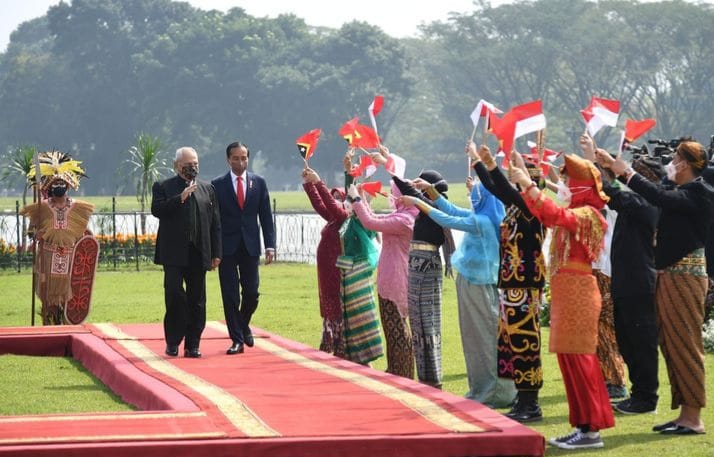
[578, 235]
[329, 277]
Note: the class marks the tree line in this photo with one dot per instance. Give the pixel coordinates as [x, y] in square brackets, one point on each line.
[89, 77]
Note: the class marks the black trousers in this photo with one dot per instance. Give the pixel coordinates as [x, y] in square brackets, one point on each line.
[239, 278]
[185, 308]
[636, 333]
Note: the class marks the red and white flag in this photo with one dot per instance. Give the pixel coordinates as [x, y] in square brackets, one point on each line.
[396, 165]
[482, 109]
[374, 110]
[529, 118]
[366, 167]
[520, 120]
[549, 157]
[599, 113]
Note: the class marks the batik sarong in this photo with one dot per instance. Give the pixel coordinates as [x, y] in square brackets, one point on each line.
[400, 355]
[681, 291]
[608, 353]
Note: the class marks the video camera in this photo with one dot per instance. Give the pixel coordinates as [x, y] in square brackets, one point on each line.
[665, 149]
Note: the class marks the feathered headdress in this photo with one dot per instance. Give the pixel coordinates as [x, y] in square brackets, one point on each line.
[54, 166]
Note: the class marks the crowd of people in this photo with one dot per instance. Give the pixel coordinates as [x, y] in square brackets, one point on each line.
[626, 270]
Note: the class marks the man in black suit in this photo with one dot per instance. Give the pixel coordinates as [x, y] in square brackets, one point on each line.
[187, 245]
[243, 199]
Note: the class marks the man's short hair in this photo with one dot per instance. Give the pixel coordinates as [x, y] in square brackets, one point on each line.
[181, 150]
[236, 144]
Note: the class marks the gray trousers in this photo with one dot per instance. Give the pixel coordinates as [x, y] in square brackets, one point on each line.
[478, 321]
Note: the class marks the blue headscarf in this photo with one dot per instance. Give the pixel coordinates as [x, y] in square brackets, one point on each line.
[485, 203]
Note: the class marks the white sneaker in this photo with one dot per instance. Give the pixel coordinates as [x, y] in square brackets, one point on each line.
[562, 439]
[588, 440]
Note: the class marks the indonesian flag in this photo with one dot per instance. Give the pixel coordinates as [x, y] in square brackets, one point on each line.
[396, 166]
[549, 157]
[634, 130]
[373, 188]
[599, 113]
[366, 167]
[374, 110]
[307, 143]
[482, 109]
[529, 118]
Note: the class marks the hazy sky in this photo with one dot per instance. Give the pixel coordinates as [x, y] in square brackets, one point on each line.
[396, 17]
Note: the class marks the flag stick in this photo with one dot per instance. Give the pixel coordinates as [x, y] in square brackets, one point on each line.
[473, 134]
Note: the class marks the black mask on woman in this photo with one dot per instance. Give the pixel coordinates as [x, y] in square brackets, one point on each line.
[58, 191]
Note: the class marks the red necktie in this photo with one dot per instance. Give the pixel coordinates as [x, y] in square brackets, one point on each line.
[239, 192]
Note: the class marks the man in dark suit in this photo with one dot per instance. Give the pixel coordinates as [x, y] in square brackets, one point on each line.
[243, 199]
[187, 245]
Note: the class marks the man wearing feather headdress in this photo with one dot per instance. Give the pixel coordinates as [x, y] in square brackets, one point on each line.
[58, 222]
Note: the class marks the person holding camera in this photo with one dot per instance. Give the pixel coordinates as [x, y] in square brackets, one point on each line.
[687, 212]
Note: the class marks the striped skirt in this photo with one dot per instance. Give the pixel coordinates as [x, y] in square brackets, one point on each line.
[424, 297]
[681, 291]
[363, 342]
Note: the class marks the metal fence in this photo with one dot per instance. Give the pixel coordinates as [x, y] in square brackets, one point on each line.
[127, 239]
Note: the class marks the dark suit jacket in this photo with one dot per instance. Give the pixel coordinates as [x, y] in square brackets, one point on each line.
[242, 224]
[172, 240]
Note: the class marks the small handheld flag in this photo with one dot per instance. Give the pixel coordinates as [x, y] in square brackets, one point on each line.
[374, 108]
[599, 113]
[307, 143]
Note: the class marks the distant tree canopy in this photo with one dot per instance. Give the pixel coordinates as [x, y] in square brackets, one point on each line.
[88, 77]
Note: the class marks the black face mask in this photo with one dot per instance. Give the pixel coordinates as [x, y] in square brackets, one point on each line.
[58, 191]
[190, 171]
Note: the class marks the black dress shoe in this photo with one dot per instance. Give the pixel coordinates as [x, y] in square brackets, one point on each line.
[248, 339]
[237, 348]
[192, 353]
[171, 351]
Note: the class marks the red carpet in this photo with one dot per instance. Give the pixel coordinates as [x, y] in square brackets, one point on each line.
[280, 398]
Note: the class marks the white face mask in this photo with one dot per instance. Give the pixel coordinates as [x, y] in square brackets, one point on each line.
[564, 194]
[671, 170]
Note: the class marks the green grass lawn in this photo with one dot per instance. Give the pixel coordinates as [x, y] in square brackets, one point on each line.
[288, 307]
[284, 201]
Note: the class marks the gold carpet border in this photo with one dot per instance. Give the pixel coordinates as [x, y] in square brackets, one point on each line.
[99, 417]
[242, 417]
[426, 408]
[157, 436]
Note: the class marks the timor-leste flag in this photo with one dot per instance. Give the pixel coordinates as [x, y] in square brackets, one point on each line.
[307, 143]
[347, 131]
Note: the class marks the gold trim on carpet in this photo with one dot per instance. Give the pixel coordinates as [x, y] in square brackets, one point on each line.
[99, 417]
[157, 436]
[242, 417]
[426, 408]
